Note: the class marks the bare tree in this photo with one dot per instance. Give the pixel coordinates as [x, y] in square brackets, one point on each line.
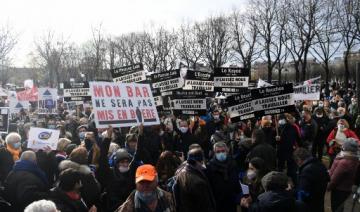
[245, 36]
[304, 15]
[50, 50]
[98, 51]
[214, 38]
[188, 47]
[270, 22]
[7, 41]
[346, 24]
[327, 38]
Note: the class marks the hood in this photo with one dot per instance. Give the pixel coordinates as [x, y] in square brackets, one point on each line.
[66, 164]
[277, 200]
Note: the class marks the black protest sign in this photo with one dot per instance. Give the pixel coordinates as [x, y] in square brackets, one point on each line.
[76, 91]
[129, 74]
[168, 80]
[240, 107]
[273, 100]
[157, 97]
[199, 80]
[4, 119]
[231, 80]
[188, 102]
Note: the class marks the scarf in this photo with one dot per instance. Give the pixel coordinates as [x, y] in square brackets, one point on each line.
[162, 204]
[25, 165]
[14, 152]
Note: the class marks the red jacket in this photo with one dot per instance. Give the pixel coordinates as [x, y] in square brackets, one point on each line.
[348, 133]
[343, 173]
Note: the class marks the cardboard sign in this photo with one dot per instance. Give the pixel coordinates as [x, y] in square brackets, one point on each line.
[273, 100]
[188, 102]
[47, 103]
[129, 74]
[307, 92]
[40, 138]
[199, 80]
[76, 91]
[166, 81]
[4, 119]
[123, 105]
[240, 107]
[231, 80]
[15, 105]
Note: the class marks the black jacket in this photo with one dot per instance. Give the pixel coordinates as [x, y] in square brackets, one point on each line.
[264, 151]
[193, 193]
[289, 137]
[91, 188]
[6, 163]
[312, 181]
[224, 181]
[64, 203]
[22, 188]
[274, 201]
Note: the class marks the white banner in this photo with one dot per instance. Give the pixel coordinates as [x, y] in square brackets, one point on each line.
[40, 138]
[307, 92]
[237, 82]
[47, 101]
[262, 83]
[123, 105]
[15, 105]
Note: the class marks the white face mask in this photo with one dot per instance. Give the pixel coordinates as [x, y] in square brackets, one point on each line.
[319, 115]
[161, 133]
[123, 169]
[251, 175]
[341, 127]
[184, 129]
[216, 117]
[282, 121]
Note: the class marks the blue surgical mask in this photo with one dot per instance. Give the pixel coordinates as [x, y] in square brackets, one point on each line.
[51, 126]
[221, 156]
[16, 145]
[81, 135]
[147, 197]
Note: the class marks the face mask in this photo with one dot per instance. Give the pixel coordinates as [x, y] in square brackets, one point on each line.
[51, 126]
[82, 135]
[88, 144]
[341, 127]
[184, 129]
[353, 102]
[319, 115]
[161, 133]
[147, 197]
[321, 104]
[216, 117]
[123, 169]
[16, 145]
[251, 175]
[221, 156]
[282, 121]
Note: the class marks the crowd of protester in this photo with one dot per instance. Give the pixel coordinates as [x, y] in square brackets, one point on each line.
[287, 161]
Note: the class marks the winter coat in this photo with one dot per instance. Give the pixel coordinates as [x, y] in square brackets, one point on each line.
[322, 123]
[308, 131]
[224, 180]
[270, 135]
[264, 151]
[343, 173]
[90, 189]
[193, 193]
[348, 133]
[64, 203]
[165, 203]
[25, 184]
[274, 201]
[289, 138]
[312, 181]
[6, 163]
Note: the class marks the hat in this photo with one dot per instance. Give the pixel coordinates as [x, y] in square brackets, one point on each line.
[274, 180]
[350, 145]
[82, 126]
[120, 155]
[145, 172]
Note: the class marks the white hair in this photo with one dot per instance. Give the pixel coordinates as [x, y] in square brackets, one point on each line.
[13, 138]
[41, 206]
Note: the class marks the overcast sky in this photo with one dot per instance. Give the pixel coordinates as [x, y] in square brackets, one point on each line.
[74, 18]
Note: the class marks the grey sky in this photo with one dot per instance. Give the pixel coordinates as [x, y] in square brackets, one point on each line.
[74, 18]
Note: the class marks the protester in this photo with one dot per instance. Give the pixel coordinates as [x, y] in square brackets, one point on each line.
[26, 182]
[166, 167]
[192, 190]
[223, 176]
[256, 171]
[343, 172]
[312, 180]
[262, 150]
[309, 129]
[322, 121]
[147, 196]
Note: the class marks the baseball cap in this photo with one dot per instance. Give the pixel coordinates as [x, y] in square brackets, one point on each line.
[145, 172]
